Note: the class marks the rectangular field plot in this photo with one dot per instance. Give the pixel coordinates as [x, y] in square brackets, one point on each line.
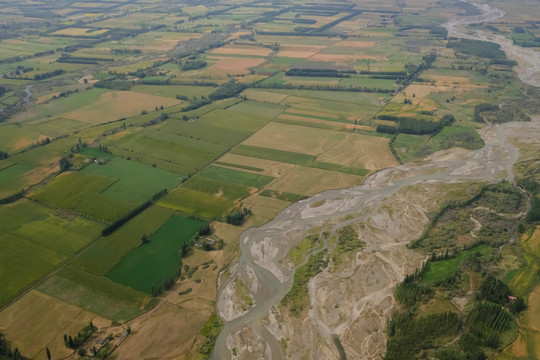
[347, 149]
[215, 187]
[34, 240]
[13, 171]
[309, 181]
[193, 202]
[107, 251]
[56, 127]
[14, 137]
[149, 265]
[80, 192]
[136, 182]
[173, 90]
[98, 300]
[176, 151]
[221, 173]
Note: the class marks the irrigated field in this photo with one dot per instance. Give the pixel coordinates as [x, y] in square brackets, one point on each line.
[35, 239]
[81, 192]
[150, 264]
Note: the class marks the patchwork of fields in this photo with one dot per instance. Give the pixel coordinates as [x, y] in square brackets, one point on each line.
[122, 121]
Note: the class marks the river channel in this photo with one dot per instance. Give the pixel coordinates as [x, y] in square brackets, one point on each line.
[269, 278]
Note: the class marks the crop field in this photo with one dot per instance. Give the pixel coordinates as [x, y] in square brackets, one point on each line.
[35, 239]
[309, 181]
[107, 251]
[268, 167]
[115, 105]
[150, 264]
[58, 317]
[99, 302]
[221, 173]
[217, 187]
[187, 201]
[81, 192]
[173, 90]
[136, 182]
[13, 171]
[226, 105]
[326, 146]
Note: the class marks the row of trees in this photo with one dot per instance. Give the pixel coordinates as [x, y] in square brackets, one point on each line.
[415, 126]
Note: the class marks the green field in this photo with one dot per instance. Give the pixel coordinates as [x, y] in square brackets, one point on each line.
[440, 270]
[81, 192]
[273, 154]
[193, 202]
[13, 171]
[98, 295]
[108, 251]
[211, 186]
[150, 264]
[136, 182]
[34, 240]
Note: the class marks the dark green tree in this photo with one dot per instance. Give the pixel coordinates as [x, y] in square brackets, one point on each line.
[64, 164]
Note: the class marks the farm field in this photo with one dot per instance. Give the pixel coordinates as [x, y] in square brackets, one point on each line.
[130, 120]
[43, 237]
[150, 264]
[81, 192]
[136, 182]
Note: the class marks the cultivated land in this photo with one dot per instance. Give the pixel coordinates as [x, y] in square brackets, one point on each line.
[125, 127]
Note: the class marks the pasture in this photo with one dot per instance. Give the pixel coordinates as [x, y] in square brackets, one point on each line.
[150, 264]
[35, 239]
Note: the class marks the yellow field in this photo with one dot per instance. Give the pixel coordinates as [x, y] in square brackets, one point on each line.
[232, 65]
[271, 168]
[37, 321]
[118, 104]
[242, 50]
[264, 209]
[299, 51]
[345, 57]
[264, 96]
[348, 149]
[309, 181]
[357, 44]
